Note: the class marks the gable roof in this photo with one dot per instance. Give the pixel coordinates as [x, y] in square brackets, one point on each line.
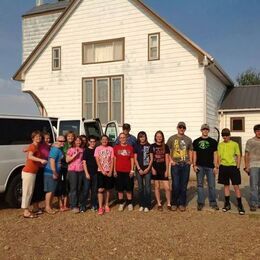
[215, 68]
[48, 7]
[242, 98]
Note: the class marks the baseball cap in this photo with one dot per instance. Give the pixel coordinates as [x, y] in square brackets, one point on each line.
[126, 126]
[204, 126]
[225, 132]
[181, 124]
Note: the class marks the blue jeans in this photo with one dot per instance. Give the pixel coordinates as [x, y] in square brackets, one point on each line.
[79, 188]
[211, 185]
[144, 189]
[180, 174]
[255, 186]
[93, 188]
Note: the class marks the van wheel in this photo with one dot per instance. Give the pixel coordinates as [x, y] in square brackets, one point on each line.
[14, 192]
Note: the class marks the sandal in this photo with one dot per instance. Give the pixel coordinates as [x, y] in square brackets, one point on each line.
[50, 211]
[30, 216]
[38, 211]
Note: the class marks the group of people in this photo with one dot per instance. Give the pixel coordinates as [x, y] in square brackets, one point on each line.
[76, 167]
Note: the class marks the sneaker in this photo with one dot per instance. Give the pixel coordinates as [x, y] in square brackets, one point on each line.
[200, 207]
[141, 209]
[94, 209]
[253, 208]
[121, 207]
[182, 208]
[83, 209]
[107, 209]
[174, 207]
[100, 211]
[215, 207]
[75, 210]
[130, 207]
[241, 210]
[146, 210]
[226, 207]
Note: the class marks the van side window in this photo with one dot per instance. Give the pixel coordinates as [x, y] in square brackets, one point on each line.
[18, 131]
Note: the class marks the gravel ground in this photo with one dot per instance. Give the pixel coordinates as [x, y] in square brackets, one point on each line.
[130, 235]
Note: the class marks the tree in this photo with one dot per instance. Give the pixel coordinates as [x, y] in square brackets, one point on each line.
[249, 77]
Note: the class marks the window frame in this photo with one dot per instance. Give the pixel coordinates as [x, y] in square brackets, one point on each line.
[53, 58]
[158, 47]
[232, 119]
[100, 42]
[94, 95]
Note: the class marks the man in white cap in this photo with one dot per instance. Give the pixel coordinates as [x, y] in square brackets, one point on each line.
[205, 158]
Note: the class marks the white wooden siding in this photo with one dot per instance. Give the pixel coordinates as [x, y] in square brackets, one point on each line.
[34, 28]
[251, 118]
[215, 91]
[157, 94]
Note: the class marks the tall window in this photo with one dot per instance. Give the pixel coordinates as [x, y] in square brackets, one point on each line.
[154, 46]
[103, 51]
[237, 124]
[103, 98]
[56, 58]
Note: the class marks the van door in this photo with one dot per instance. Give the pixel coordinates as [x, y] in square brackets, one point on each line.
[65, 125]
[93, 127]
[112, 132]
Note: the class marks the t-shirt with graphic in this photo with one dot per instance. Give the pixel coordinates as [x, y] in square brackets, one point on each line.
[30, 165]
[57, 155]
[253, 147]
[205, 148]
[159, 157]
[76, 164]
[180, 147]
[228, 152]
[105, 155]
[123, 155]
[143, 155]
[89, 157]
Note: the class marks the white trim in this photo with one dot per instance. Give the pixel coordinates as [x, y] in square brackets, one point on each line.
[238, 110]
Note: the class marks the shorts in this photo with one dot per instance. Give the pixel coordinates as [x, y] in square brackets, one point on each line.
[124, 182]
[50, 184]
[159, 177]
[229, 173]
[104, 182]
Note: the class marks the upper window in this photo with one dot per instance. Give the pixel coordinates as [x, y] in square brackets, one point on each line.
[103, 51]
[154, 46]
[56, 58]
[237, 124]
[103, 98]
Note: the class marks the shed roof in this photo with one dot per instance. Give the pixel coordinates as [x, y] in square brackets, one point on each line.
[242, 97]
[48, 7]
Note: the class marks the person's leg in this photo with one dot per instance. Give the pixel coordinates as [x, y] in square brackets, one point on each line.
[254, 186]
[200, 182]
[107, 194]
[28, 181]
[157, 192]
[73, 183]
[211, 186]
[94, 191]
[84, 191]
[167, 190]
[175, 173]
[147, 190]
[140, 180]
[100, 197]
[184, 179]
[48, 201]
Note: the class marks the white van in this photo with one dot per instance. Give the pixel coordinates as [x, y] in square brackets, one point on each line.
[16, 135]
[88, 127]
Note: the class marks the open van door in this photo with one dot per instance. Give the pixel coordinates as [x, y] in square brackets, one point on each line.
[93, 127]
[112, 132]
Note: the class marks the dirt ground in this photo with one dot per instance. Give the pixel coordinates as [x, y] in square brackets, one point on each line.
[130, 235]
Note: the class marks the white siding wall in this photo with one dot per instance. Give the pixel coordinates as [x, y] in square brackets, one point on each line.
[251, 118]
[157, 94]
[215, 91]
[34, 28]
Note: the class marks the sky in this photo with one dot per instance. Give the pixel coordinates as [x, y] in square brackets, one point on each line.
[226, 29]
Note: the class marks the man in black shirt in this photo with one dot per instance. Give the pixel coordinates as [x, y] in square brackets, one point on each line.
[205, 163]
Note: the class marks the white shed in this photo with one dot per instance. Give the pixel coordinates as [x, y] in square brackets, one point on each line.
[118, 60]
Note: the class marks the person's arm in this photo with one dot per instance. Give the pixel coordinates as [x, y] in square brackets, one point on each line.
[132, 167]
[247, 160]
[190, 157]
[86, 169]
[36, 159]
[55, 175]
[138, 168]
[115, 173]
[70, 157]
[167, 160]
[216, 163]
[238, 161]
[194, 155]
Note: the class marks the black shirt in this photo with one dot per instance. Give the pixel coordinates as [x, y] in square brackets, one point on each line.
[88, 156]
[143, 155]
[205, 148]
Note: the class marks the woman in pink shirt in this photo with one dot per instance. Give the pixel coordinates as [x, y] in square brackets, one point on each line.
[76, 174]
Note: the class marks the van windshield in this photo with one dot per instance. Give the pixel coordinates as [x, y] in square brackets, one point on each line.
[69, 125]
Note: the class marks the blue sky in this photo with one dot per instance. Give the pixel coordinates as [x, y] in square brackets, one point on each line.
[227, 29]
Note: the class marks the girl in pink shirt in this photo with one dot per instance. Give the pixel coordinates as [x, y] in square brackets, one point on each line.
[76, 174]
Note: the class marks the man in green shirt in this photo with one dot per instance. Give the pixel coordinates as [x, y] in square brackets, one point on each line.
[229, 159]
